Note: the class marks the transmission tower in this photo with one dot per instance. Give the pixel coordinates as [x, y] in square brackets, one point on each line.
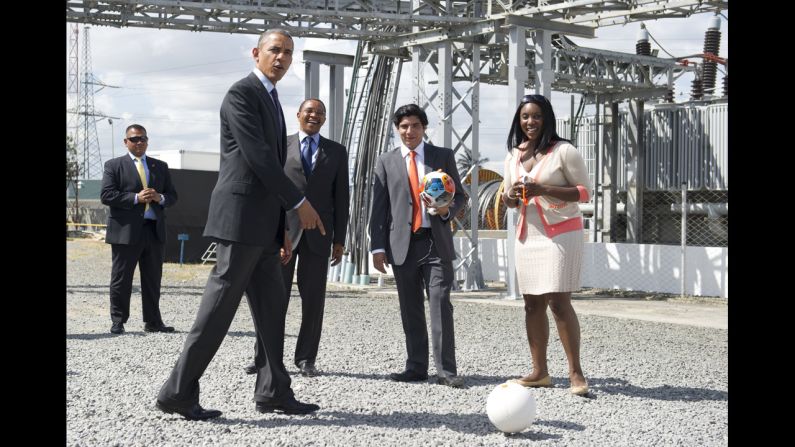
[82, 118]
[73, 84]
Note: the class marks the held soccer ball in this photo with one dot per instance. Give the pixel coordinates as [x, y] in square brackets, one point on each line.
[439, 187]
[511, 407]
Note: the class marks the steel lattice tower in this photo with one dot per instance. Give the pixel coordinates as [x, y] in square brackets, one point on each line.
[91, 161]
[82, 119]
[73, 84]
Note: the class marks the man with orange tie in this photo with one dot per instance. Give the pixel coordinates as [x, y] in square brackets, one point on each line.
[137, 189]
[416, 240]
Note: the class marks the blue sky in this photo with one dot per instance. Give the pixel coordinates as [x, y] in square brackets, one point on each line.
[173, 82]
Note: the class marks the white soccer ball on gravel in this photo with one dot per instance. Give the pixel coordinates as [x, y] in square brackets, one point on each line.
[511, 407]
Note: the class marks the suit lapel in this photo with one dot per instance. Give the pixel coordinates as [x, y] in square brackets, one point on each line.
[398, 166]
[292, 166]
[152, 172]
[322, 154]
[430, 159]
[270, 106]
[266, 98]
[130, 171]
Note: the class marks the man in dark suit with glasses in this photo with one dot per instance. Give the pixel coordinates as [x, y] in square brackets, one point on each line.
[137, 189]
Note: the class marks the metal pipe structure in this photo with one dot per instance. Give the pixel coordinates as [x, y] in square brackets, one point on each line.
[367, 135]
[450, 34]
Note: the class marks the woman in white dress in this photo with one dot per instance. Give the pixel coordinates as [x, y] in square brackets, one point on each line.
[545, 177]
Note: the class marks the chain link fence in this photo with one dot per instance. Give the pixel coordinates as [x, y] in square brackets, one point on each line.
[705, 217]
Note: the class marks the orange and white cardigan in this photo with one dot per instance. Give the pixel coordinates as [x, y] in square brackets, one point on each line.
[561, 166]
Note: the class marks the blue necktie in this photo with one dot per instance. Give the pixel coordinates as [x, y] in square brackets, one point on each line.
[306, 155]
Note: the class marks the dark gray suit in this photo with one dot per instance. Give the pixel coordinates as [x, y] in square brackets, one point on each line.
[418, 263]
[135, 240]
[246, 217]
[327, 190]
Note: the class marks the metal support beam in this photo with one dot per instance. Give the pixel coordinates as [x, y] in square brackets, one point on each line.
[445, 97]
[549, 25]
[610, 172]
[473, 30]
[641, 94]
[336, 106]
[416, 74]
[416, 62]
[597, 211]
[460, 33]
[474, 273]
[635, 173]
[517, 77]
[322, 57]
[311, 80]
[543, 63]
[336, 101]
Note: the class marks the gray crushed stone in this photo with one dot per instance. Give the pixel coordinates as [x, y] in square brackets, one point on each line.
[652, 383]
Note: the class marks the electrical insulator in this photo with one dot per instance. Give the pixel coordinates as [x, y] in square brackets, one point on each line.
[643, 47]
[697, 90]
[711, 45]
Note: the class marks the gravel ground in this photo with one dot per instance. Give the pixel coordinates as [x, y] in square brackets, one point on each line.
[652, 383]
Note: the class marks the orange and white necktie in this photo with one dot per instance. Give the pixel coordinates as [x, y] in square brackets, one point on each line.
[414, 183]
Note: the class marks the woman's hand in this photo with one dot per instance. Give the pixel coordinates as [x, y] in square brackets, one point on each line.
[532, 189]
[516, 190]
[513, 195]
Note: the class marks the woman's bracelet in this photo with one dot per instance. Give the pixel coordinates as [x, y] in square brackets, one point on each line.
[514, 200]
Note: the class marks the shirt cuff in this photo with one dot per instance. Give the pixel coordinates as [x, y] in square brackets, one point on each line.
[162, 199]
[299, 203]
[135, 200]
[377, 250]
[584, 196]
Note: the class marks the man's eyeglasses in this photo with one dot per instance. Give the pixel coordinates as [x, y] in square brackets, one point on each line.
[138, 139]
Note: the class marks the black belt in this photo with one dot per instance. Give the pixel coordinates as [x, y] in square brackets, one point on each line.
[422, 233]
[150, 222]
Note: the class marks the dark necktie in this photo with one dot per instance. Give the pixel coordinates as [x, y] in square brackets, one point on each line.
[306, 155]
[275, 96]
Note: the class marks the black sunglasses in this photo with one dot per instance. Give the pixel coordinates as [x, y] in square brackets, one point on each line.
[138, 139]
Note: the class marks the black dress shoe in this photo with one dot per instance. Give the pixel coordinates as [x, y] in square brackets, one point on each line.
[408, 376]
[286, 405]
[194, 413]
[158, 328]
[307, 369]
[251, 368]
[451, 381]
[117, 328]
